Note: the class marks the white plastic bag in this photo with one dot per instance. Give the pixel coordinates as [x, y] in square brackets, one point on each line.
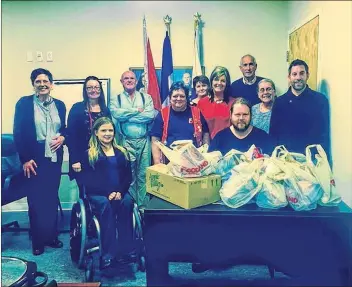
[272, 191]
[227, 162]
[242, 185]
[302, 189]
[271, 194]
[323, 174]
[186, 161]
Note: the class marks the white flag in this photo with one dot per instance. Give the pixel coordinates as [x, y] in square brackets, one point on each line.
[197, 69]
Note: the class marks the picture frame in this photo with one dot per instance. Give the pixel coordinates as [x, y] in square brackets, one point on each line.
[180, 73]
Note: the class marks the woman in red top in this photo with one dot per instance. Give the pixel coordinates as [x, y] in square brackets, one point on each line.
[216, 107]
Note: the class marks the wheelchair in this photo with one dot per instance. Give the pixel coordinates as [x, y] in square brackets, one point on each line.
[85, 237]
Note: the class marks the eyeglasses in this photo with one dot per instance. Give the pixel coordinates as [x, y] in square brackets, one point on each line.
[89, 89]
[269, 89]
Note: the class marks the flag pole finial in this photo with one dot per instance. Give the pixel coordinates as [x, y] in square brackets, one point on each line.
[167, 22]
[197, 19]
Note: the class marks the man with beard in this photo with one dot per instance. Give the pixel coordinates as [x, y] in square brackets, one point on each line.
[246, 87]
[241, 134]
[300, 117]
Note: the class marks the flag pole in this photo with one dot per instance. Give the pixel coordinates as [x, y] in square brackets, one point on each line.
[145, 39]
[167, 22]
[197, 28]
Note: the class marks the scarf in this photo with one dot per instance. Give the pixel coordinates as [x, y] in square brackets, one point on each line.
[47, 122]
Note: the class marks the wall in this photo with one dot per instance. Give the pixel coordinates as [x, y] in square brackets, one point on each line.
[104, 38]
[334, 77]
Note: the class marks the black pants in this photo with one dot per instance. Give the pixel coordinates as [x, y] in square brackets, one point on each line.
[43, 199]
[114, 216]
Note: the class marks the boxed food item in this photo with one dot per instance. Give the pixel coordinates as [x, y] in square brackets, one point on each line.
[184, 192]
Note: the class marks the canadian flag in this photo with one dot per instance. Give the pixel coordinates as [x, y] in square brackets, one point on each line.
[151, 79]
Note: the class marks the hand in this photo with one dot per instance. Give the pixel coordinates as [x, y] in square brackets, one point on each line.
[115, 195]
[57, 142]
[28, 167]
[141, 110]
[77, 167]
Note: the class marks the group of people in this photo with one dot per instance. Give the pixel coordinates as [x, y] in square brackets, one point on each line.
[111, 146]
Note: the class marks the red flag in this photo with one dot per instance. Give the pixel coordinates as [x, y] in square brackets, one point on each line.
[152, 87]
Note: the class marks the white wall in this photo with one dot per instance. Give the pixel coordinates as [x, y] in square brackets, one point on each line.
[106, 38]
[334, 77]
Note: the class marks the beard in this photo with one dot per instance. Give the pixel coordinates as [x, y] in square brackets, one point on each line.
[299, 86]
[242, 129]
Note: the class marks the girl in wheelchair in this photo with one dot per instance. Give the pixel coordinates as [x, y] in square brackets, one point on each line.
[106, 176]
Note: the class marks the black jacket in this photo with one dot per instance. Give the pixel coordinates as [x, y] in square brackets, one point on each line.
[300, 121]
[96, 180]
[78, 135]
[24, 132]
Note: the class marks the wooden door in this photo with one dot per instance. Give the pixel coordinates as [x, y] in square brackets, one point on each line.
[303, 44]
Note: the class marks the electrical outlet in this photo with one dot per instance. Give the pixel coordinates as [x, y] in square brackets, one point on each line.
[49, 56]
[39, 56]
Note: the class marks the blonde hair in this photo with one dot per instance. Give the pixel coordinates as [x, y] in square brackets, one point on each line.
[95, 150]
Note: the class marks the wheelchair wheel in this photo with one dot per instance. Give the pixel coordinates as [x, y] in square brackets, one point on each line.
[137, 224]
[78, 229]
[89, 271]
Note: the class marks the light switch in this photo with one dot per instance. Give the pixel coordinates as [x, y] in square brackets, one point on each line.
[29, 56]
[49, 56]
[39, 56]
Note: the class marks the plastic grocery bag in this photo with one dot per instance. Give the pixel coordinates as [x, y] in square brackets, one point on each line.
[322, 172]
[271, 194]
[272, 191]
[186, 161]
[302, 189]
[227, 162]
[242, 185]
[176, 145]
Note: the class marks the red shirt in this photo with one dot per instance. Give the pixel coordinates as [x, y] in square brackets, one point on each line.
[217, 115]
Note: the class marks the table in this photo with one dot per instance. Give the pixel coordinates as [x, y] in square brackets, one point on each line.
[18, 272]
[313, 247]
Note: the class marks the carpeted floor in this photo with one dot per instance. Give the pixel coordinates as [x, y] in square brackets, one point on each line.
[57, 264]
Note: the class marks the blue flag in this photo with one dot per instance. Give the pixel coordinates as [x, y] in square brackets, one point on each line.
[166, 71]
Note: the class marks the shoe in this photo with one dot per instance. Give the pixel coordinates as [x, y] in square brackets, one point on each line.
[56, 243]
[38, 250]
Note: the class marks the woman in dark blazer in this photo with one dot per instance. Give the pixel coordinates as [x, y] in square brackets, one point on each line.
[81, 119]
[39, 134]
[106, 175]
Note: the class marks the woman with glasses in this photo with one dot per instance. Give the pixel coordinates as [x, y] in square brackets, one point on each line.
[39, 134]
[81, 120]
[261, 113]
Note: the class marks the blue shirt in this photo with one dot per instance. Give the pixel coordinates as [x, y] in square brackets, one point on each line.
[259, 119]
[180, 126]
[128, 120]
[249, 92]
[225, 140]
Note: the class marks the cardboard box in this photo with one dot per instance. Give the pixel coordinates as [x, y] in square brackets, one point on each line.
[184, 192]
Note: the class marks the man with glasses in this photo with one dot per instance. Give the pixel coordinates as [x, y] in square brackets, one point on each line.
[241, 135]
[246, 86]
[132, 112]
[300, 117]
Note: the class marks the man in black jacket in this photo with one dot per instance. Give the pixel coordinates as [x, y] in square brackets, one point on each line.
[300, 117]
